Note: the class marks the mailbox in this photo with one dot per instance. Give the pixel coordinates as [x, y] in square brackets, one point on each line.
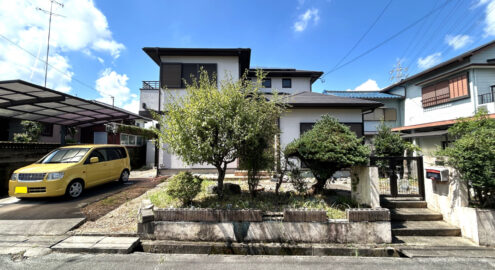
[438, 174]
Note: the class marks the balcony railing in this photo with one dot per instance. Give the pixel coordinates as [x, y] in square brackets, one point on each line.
[485, 98]
[151, 85]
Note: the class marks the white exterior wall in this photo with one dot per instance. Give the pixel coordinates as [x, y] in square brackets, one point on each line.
[414, 113]
[227, 68]
[298, 85]
[289, 122]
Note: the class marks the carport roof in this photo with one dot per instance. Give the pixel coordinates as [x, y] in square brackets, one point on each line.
[26, 101]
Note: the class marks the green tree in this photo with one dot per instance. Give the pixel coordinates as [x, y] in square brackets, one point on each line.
[32, 132]
[388, 143]
[472, 154]
[328, 147]
[211, 124]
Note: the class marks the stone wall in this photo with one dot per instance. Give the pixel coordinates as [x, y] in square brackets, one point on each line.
[249, 230]
[16, 155]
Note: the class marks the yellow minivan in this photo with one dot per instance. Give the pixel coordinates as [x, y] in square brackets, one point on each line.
[69, 170]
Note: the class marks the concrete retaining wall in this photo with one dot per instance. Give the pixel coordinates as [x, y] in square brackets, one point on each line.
[477, 224]
[161, 224]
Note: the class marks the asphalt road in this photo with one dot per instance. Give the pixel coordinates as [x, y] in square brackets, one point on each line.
[55, 208]
[218, 262]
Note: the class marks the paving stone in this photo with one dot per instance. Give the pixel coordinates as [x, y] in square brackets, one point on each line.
[97, 244]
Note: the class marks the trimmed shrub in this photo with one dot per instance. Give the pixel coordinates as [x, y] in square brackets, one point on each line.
[184, 187]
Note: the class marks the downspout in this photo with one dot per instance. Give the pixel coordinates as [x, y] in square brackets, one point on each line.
[157, 142]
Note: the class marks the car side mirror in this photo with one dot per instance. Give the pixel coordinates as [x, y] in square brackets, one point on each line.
[94, 160]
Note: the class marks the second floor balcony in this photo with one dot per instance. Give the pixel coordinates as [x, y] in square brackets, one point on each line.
[150, 85]
[486, 97]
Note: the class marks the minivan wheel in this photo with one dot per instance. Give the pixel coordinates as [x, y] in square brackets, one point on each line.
[124, 176]
[74, 189]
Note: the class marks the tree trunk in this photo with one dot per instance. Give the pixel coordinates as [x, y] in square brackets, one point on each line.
[221, 175]
[279, 183]
[317, 188]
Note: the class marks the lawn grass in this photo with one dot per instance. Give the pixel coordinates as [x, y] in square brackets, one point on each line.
[333, 204]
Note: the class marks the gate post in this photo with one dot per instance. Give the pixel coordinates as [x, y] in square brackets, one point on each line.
[421, 177]
[393, 178]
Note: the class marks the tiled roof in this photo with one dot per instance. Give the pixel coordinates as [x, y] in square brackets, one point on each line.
[362, 94]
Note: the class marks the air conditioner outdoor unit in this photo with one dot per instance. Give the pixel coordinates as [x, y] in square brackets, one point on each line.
[111, 128]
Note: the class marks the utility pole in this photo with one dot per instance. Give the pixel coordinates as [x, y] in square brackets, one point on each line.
[50, 13]
[398, 73]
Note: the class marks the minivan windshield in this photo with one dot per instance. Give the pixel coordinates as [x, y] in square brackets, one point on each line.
[65, 155]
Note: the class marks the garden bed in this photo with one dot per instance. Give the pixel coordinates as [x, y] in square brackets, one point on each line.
[333, 202]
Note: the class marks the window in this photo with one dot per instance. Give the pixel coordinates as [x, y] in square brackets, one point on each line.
[112, 154]
[286, 83]
[445, 91]
[47, 130]
[131, 140]
[385, 114]
[267, 83]
[303, 127]
[173, 75]
[99, 153]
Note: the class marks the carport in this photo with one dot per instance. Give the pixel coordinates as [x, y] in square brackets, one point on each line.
[26, 101]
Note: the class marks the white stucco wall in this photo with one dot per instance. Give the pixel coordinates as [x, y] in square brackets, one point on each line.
[290, 121]
[298, 85]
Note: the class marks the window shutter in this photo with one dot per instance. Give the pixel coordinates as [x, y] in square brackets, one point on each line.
[170, 75]
[459, 86]
[442, 92]
[390, 114]
[428, 96]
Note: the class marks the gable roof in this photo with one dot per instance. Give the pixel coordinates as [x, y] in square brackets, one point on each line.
[362, 94]
[312, 99]
[244, 53]
[456, 59]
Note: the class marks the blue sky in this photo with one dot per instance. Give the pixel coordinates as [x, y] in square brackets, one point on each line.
[96, 47]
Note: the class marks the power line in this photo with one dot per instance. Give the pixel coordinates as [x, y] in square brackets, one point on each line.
[50, 65]
[387, 40]
[364, 34]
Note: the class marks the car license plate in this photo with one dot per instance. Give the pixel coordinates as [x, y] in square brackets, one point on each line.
[21, 190]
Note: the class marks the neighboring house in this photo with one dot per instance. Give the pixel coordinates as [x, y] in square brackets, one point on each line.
[307, 107]
[436, 97]
[389, 112]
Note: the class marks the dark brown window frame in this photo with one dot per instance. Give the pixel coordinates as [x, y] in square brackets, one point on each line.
[442, 99]
[348, 124]
[182, 75]
[289, 80]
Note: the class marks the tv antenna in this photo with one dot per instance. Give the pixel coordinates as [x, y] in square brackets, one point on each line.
[50, 13]
[398, 73]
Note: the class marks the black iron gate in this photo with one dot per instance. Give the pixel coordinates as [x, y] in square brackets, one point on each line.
[400, 176]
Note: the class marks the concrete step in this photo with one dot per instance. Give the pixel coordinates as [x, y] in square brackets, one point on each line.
[403, 204]
[424, 228]
[97, 244]
[433, 241]
[414, 214]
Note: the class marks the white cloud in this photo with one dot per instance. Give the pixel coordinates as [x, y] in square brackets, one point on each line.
[369, 85]
[489, 29]
[83, 28]
[430, 60]
[112, 84]
[458, 41]
[311, 15]
[479, 3]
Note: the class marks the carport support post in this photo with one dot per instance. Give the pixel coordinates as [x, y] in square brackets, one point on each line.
[63, 132]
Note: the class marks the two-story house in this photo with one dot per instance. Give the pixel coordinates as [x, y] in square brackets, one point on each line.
[436, 97]
[306, 107]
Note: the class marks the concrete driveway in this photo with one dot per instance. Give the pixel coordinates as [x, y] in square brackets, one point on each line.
[50, 216]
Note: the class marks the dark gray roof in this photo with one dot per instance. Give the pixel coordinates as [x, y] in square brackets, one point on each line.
[288, 72]
[312, 99]
[362, 94]
[243, 53]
